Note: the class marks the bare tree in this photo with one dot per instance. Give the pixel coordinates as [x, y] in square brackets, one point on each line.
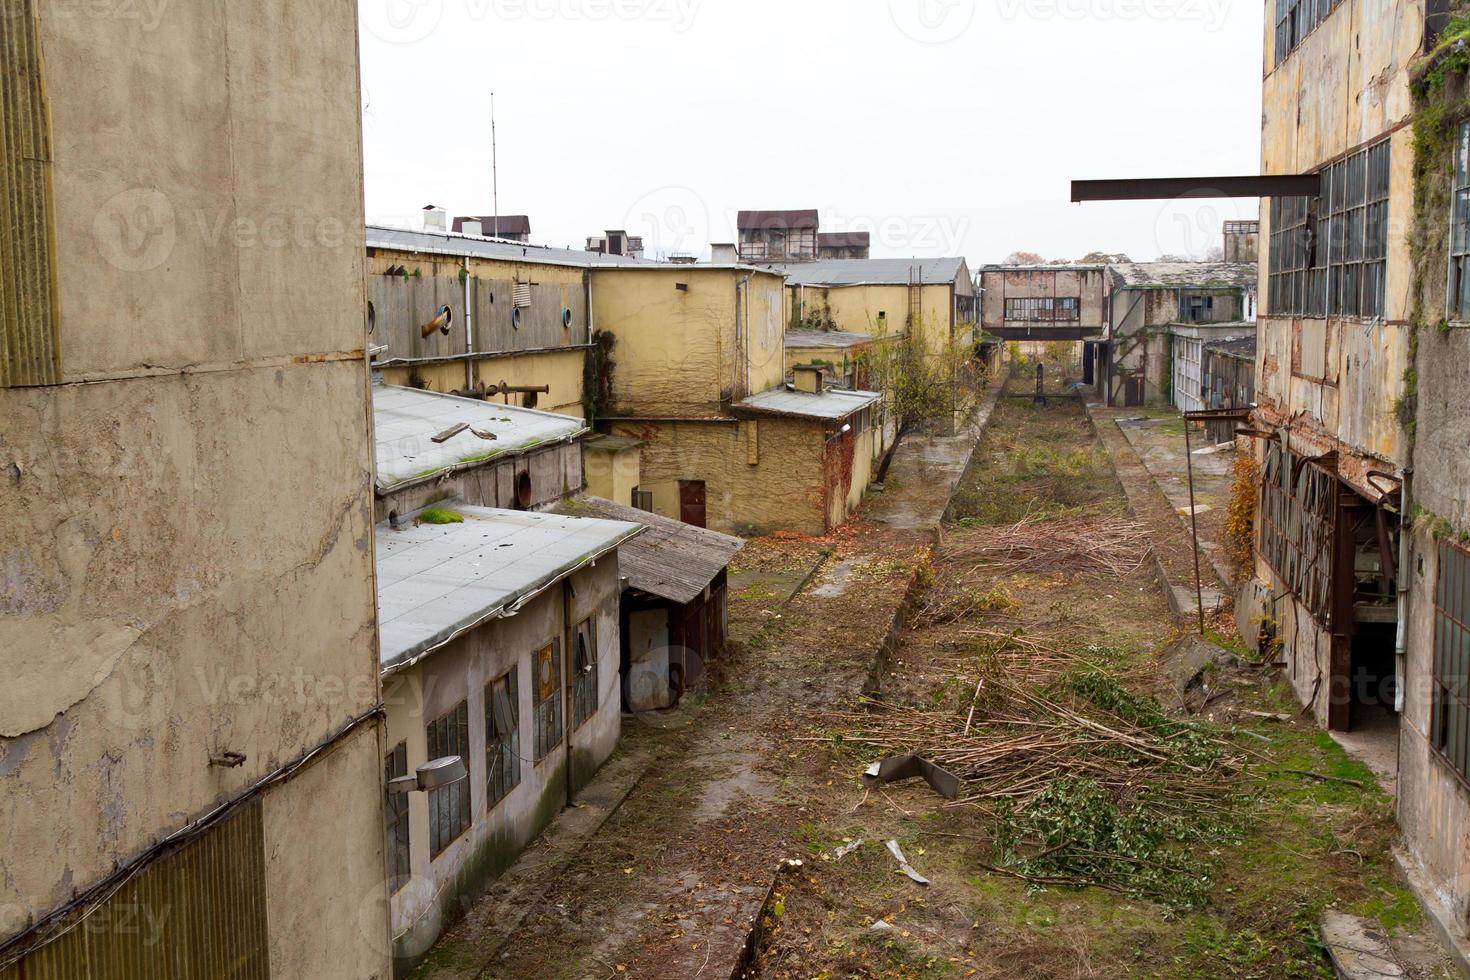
[1024, 258]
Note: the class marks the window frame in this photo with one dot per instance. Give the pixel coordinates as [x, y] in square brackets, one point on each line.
[449, 806]
[1457, 288]
[1450, 708]
[397, 837]
[1043, 309]
[502, 750]
[546, 709]
[585, 700]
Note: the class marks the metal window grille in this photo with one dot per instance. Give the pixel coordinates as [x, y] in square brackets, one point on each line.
[1298, 501]
[1297, 271]
[1043, 308]
[584, 685]
[395, 818]
[449, 806]
[1459, 293]
[502, 738]
[548, 699]
[1450, 718]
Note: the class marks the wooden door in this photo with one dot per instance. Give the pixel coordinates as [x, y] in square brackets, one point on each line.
[691, 502]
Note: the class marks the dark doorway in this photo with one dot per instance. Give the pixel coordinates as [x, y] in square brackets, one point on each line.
[1132, 391]
[691, 502]
[1089, 356]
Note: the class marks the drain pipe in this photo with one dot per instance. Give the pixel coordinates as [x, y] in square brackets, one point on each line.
[469, 333]
[1401, 635]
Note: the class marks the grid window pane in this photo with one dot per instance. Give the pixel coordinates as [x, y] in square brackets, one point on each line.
[1450, 724]
[1459, 291]
[502, 738]
[547, 664]
[449, 806]
[1046, 308]
[395, 818]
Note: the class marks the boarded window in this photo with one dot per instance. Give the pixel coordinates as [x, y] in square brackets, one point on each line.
[395, 818]
[1450, 722]
[584, 682]
[643, 499]
[502, 738]
[28, 303]
[449, 806]
[199, 911]
[1298, 499]
[548, 699]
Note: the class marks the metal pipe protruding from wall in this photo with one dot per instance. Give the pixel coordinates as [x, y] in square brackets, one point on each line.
[1401, 634]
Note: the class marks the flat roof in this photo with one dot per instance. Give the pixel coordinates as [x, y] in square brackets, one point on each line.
[831, 404]
[436, 581]
[875, 272]
[612, 444]
[834, 339]
[1170, 275]
[670, 559]
[406, 420]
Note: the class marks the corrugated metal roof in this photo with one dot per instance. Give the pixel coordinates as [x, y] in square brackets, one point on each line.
[450, 243]
[508, 224]
[670, 559]
[857, 272]
[435, 581]
[1169, 275]
[830, 404]
[774, 220]
[405, 420]
[834, 339]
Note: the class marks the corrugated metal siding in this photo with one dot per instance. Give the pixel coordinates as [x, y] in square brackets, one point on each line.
[199, 912]
[28, 306]
[401, 304]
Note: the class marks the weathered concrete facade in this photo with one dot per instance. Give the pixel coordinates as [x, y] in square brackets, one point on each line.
[187, 608]
[1041, 303]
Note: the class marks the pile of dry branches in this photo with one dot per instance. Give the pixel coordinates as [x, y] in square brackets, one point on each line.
[1084, 543]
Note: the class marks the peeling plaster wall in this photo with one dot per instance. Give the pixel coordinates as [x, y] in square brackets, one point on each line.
[783, 491]
[435, 895]
[678, 352]
[186, 560]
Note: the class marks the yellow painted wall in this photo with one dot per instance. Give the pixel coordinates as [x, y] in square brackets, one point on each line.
[859, 309]
[612, 475]
[782, 491]
[562, 370]
[677, 352]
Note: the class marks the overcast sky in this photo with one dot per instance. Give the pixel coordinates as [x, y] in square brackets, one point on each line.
[941, 126]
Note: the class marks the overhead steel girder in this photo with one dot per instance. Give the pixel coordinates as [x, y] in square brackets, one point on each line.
[1169, 188]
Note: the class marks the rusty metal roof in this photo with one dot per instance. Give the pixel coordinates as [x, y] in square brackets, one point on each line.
[776, 220]
[670, 559]
[437, 581]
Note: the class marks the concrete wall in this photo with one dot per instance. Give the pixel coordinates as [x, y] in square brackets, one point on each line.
[185, 544]
[880, 310]
[612, 475]
[1089, 286]
[680, 352]
[784, 490]
[439, 888]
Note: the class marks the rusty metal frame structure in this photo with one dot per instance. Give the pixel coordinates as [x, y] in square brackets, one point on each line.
[1166, 188]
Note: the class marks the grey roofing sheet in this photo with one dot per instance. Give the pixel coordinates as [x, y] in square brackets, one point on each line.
[1243, 347]
[451, 243]
[856, 272]
[405, 420]
[835, 339]
[830, 404]
[1164, 275]
[669, 559]
[435, 581]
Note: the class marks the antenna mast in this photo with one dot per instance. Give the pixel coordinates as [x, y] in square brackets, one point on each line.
[494, 173]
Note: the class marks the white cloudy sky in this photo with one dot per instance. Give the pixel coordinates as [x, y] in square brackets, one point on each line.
[942, 126]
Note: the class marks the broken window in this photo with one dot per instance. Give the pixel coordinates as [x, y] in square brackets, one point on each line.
[395, 818]
[548, 698]
[1043, 308]
[449, 806]
[1297, 278]
[1450, 722]
[584, 683]
[1298, 499]
[1459, 292]
[1196, 308]
[502, 738]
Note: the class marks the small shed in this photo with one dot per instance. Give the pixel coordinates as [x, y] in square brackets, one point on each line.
[674, 612]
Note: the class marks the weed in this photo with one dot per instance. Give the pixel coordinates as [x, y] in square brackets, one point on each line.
[436, 515]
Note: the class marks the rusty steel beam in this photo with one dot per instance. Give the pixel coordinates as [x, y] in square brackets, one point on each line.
[1169, 188]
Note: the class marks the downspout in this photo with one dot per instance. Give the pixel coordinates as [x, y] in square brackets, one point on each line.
[569, 657]
[469, 332]
[1401, 635]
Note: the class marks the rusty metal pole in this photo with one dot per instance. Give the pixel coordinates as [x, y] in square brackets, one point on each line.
[1199, 589]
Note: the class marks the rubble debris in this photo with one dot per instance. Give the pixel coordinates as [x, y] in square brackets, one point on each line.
[450, 432]
[904, 866]
[841, 852]
[908, 765]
